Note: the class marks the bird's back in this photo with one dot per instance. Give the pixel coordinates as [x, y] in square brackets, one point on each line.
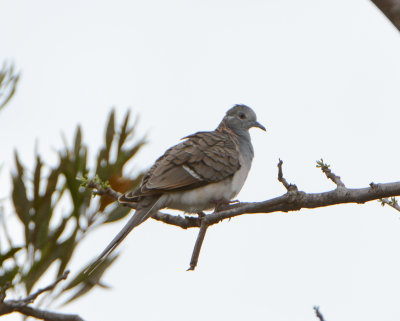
[202, 158]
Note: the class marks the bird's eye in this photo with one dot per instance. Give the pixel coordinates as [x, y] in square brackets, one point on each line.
[242, 116]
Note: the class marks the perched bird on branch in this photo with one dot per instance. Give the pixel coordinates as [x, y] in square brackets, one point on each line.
[204, 171]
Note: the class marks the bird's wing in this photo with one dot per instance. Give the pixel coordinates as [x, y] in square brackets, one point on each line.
[203, 158]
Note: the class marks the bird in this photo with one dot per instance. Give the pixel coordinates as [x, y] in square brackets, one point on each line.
[202, 172]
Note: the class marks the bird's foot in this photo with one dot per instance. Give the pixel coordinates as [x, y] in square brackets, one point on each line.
[220, 204]
[201, 214]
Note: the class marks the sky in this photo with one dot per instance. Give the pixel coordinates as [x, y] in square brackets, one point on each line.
[322, 76]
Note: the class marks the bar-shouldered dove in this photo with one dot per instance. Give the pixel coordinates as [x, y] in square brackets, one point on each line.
[206, 169]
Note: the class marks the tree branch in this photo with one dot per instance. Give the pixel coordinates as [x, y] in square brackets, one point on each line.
[318, 313]
[292, 200]
[289, 187]
[199, 242]
[21, 305]
[392, 202]
[391, 9]
[50, 287]
[329, 174]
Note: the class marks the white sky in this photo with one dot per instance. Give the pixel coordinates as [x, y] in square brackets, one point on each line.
[323, 77]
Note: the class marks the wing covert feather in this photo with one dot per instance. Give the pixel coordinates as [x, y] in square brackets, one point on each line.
[204, 157]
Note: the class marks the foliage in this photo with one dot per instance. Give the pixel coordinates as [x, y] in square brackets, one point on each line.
[50, 237]
[8, 83]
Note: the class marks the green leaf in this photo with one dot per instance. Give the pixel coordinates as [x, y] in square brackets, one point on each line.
[84, 282]
[38, 268]
[37, 201]
[110, 132]
[9, 254]
[125, 155]
[8, 275]
[78, 141]
[36, 180]
[56, 233]
[8, 84]
[117, 213]
[20, 200]
[123, 132]
[65, 251]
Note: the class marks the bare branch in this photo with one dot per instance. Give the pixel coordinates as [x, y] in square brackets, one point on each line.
[99, 190]
[3, 290]
[293, 201]
[289, 187]
[21, 306]
[50, 287]
[392, 202]
[329, 174]
[184, 222]
[299, 200]
[48, 315]
[318, 313]
[391, 9]
[199, 242]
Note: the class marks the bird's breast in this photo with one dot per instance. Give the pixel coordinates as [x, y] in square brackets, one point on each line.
[240, 176]
[205, 197]
[201, 198]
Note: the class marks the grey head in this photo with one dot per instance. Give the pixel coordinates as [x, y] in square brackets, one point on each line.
[239, 119]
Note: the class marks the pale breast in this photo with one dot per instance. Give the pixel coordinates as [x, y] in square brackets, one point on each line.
[240, 177]
[201, 198]
[205, 197]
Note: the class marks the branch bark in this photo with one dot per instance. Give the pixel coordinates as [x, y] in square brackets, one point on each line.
[318, 314]
[391, 9]
[21, 305]
[197, 247]
[392, 202]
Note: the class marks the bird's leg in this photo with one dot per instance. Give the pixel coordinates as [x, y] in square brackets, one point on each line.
[201, 214]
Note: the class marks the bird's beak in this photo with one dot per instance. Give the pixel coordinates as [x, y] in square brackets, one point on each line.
[258, 125]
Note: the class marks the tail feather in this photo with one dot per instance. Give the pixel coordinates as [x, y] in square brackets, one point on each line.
[139, 217]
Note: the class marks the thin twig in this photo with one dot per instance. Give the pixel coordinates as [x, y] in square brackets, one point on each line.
[103, 191]
[318, 313]
[22, 305]
[48, 315]
[289, 187]
[392, 202]
[329, 174]
[199, 242]
[50, 287]
[3, 290]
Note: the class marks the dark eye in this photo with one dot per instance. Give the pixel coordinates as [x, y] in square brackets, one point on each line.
[242, 116]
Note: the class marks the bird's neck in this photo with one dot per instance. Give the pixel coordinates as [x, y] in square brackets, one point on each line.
[240, 137]
[245, 146]
[224, 128]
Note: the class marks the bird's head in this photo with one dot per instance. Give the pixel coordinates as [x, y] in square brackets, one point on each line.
[240, 118]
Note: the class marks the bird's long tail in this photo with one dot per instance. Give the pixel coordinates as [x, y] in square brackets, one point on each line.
[139, 217]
